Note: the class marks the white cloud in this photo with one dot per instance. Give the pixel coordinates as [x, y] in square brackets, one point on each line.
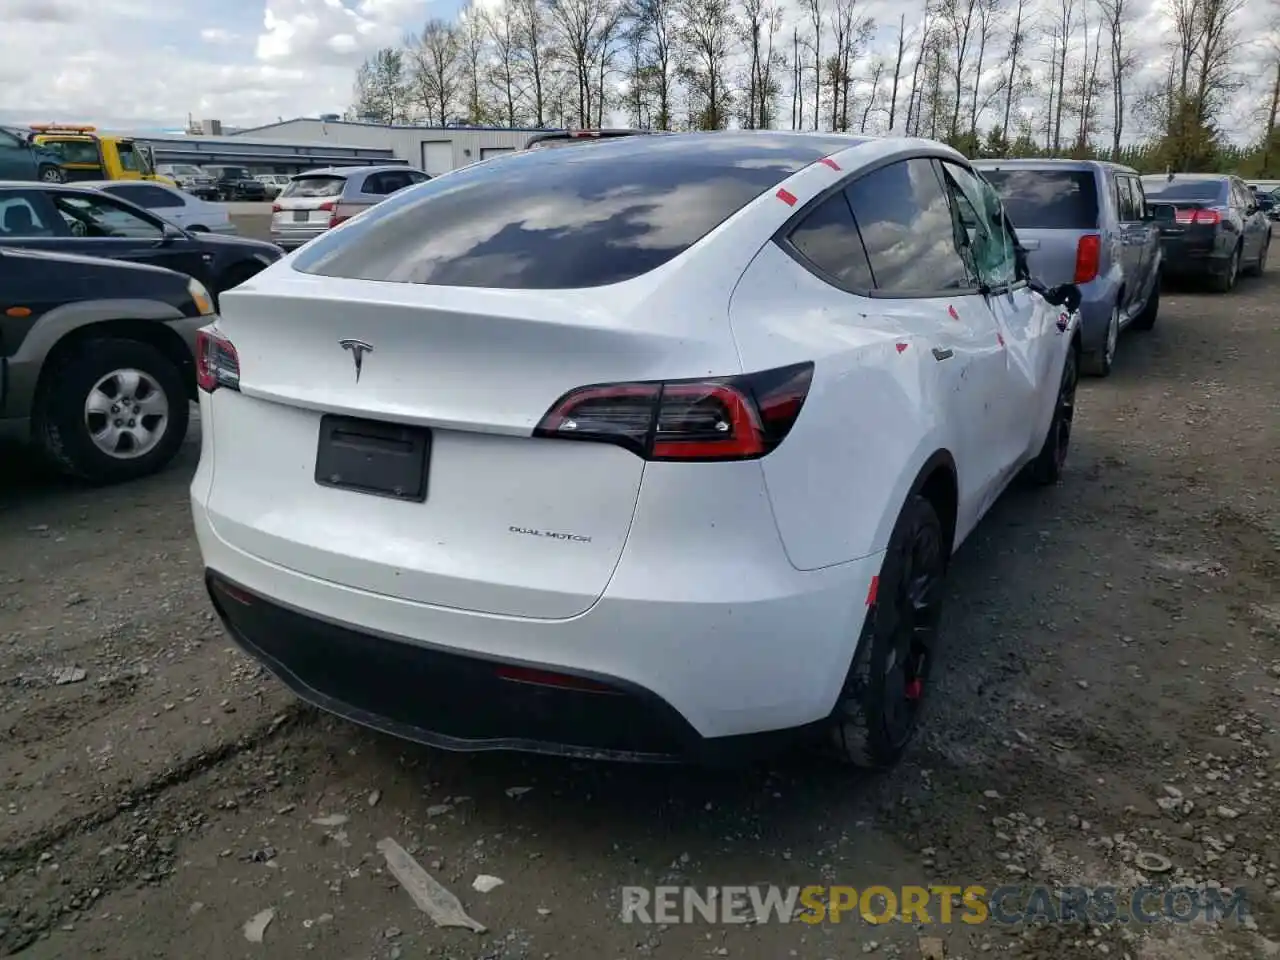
[217, 35]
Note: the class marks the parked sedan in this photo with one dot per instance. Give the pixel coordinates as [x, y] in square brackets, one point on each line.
[657, 451]
[1218, 230]
[315, 201]
[176, 206]
[95, 223]
[1086, 222]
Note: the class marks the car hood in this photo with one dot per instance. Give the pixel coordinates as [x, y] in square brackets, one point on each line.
[254, 248]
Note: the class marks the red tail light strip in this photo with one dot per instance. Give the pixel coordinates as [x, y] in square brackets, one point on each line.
[722, 418]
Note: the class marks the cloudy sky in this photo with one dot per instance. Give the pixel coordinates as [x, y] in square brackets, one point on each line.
[137, 63]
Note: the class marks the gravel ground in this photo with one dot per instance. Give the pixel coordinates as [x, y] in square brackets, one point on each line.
[1109, 692]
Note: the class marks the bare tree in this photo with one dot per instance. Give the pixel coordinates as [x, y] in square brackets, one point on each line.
[436, 69]
[873, 97]
[533, 54]
[814, 9]
[382, 88]
[988, 14]
[708, 42]
[958, 18]
[1271, 115]
[1116, 20]
[914, 99]
[851, 32]
[502, 71]
[797, 82]
[472, 41]
[897, 69]
[582, 30]
[1013, 61]
[655, 22]
[761, 21]
[1087, 87]
[1063, 29]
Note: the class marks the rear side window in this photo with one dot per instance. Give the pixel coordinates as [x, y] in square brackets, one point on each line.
[828, 238]
[563, 219]
[1196, 190]
[906, 225]
[314, 187]
[1047, 199]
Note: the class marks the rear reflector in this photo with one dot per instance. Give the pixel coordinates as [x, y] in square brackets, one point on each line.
[723, 418]
[217, 363]
[275, 208]
[1088, 253]
[546, 678]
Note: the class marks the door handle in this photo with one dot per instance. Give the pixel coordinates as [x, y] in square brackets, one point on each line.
[941, 355]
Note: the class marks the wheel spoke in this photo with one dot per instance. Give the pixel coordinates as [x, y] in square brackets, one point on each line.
[154, 403]
[98, 402]
[128, 381]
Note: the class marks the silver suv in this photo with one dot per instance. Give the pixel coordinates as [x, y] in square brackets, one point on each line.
[319, 199]
[1086, 222]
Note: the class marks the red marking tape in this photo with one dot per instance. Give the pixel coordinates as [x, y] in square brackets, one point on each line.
[900, 346]
[952, 311]
[830, 163]
[872, 590]
[787, 197]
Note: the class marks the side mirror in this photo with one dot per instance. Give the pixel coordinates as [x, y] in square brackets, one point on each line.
[173, 232]
[1063, 295]
[1162, 212]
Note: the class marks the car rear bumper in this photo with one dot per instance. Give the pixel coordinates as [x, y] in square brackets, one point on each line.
[690, 669]
[290, 238]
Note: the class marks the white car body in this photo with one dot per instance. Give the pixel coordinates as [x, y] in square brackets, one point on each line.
[728, 595]
[176, 206]
[274, 182]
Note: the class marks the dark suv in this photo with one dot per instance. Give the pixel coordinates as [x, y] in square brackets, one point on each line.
[235, 183]
[1216, 229]
[97, 365]
[1088, 223]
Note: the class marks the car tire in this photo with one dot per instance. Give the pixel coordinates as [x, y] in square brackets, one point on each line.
[51, 173]
[1260, 265]
[1147, 318]
[1226, 282]
[1046, 469]
[883, 695]
[1098, 363]
[99, 369]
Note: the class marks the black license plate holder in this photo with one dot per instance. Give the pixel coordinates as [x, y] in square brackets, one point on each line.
[373, 457]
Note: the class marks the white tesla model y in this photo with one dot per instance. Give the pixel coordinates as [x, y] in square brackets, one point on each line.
[652, 449]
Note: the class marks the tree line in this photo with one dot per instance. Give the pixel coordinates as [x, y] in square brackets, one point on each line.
[994, 78]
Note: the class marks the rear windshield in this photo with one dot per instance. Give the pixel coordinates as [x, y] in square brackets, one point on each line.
[1047, 199]
[1159, 188]
[560, 220]
[314, 187]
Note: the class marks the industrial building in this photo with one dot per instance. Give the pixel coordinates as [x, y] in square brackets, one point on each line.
[260, 155]
[434, 150]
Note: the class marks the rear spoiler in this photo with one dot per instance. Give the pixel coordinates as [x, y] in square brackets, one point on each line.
[557, 137]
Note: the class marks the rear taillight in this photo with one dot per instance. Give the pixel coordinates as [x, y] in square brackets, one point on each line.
[722, 418]
[217, 363]
[1088, 253]
[1197, 215]
[343, 212]
[276, 208]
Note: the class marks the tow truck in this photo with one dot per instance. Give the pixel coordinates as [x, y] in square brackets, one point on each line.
[89, 155]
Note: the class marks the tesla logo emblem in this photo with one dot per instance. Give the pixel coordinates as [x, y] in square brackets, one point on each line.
[358, 349]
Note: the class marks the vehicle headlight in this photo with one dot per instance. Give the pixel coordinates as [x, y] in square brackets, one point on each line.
[200, 296]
